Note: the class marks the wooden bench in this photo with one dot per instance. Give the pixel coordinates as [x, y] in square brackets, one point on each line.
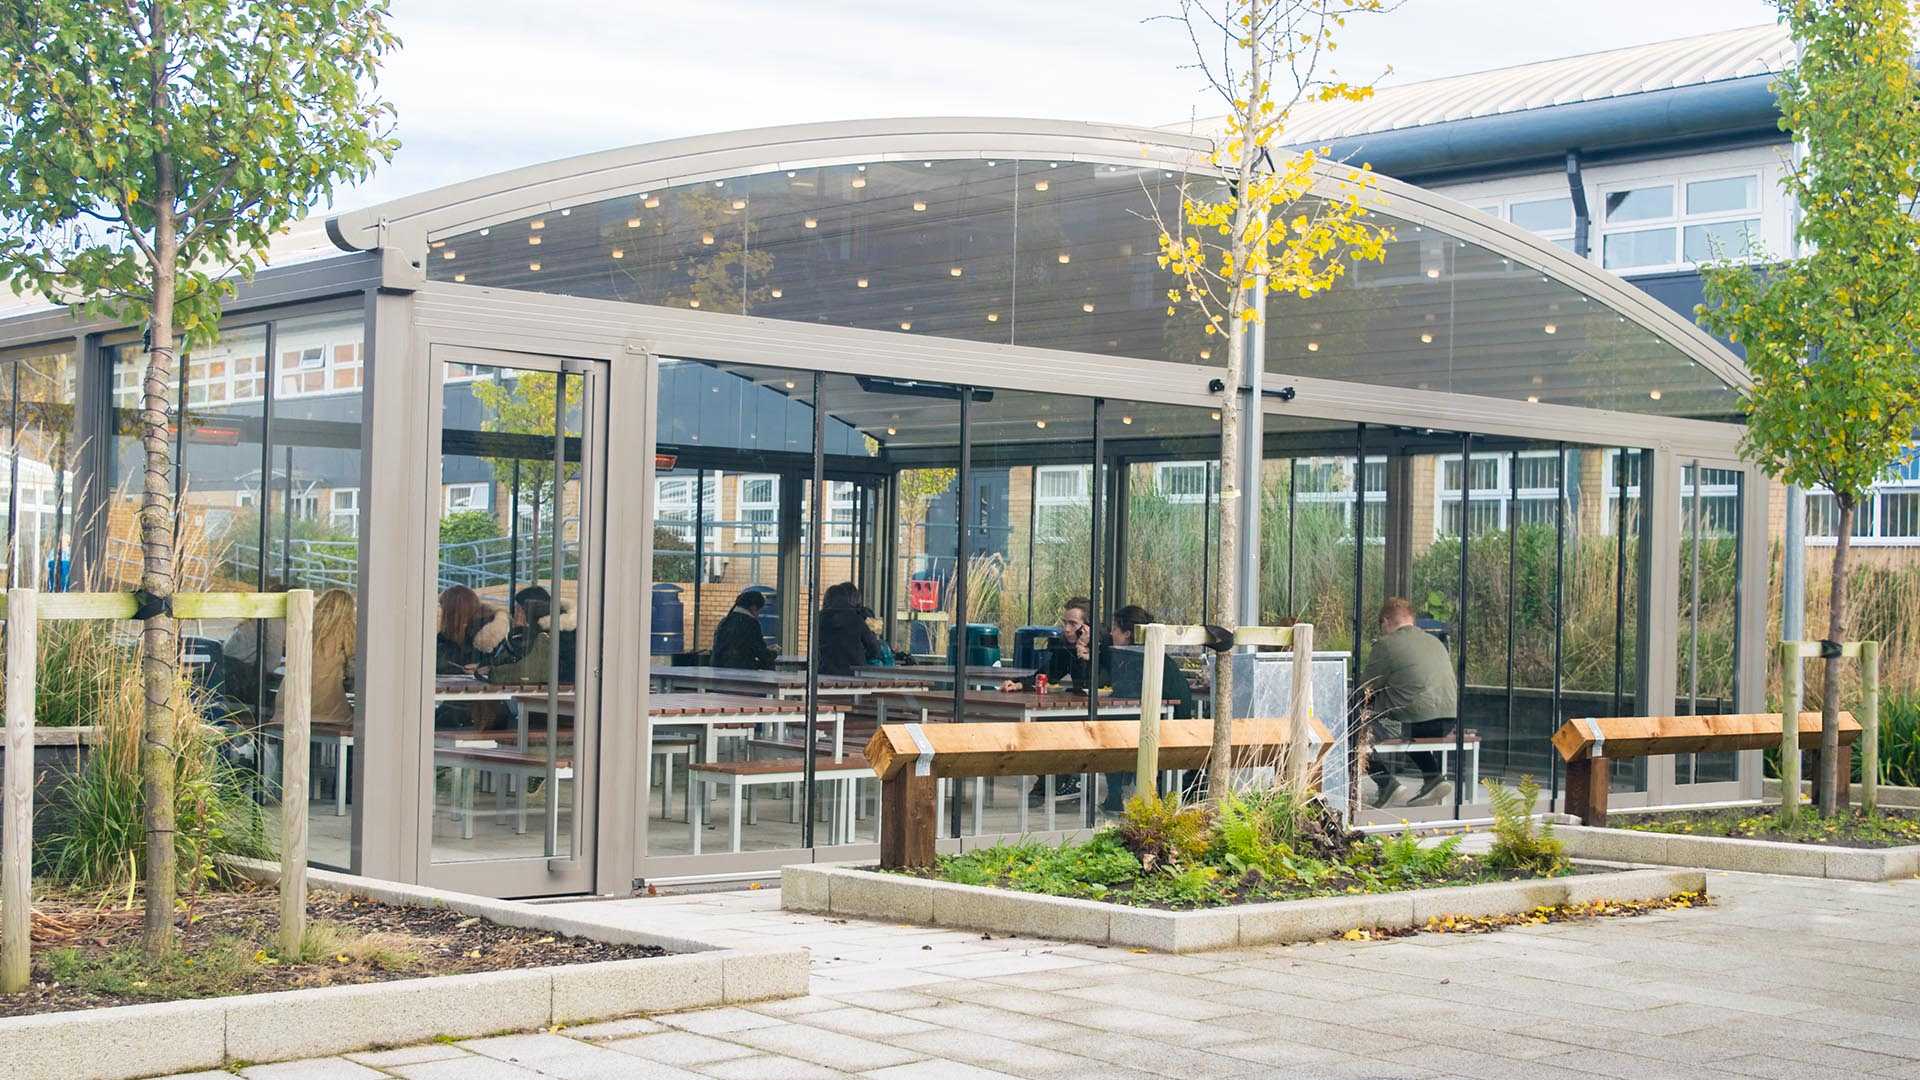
[1588, 745]
[741, 777]
[466, 758]
[911, 760]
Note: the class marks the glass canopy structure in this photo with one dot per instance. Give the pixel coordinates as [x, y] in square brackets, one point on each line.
[590, 442]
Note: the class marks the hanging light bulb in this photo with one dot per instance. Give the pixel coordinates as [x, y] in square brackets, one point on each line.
[1551, 328]
[919, 206]
[459, 277]
[859, 181]
[533, 241]
[1128, 420]
[534, 266]
[1313, 346]
[955, 271]
[538, 224]
[893, 431]
[619, 253]
[633, 223]
[993, 316]
[776, 294]
[447, 254]
[906, 326]
[1087, 307]
[860, 284]
[1426, 339]
[652, 203]
[739, 204]
[694, 302]
[812, 223]
[1041, 424]
[706, 238]
[1206, 354]
[1039, 185]
[1063, 258]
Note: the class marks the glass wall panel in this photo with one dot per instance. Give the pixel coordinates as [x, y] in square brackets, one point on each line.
[504, 746]
[1710, 521]
[42, 478]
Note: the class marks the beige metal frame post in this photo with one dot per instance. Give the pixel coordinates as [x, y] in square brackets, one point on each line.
[1157, 636]
[25, 609]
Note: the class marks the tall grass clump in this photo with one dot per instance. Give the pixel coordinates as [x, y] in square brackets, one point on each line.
[94, 836]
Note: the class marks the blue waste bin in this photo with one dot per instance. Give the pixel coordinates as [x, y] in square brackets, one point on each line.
[1027, 650]
[669, 621]
[983, 645]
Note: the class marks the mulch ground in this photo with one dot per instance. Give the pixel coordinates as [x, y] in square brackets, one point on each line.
[1849, 828]
[87, 949]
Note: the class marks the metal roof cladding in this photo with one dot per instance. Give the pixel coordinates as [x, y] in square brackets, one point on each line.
[1667, 65]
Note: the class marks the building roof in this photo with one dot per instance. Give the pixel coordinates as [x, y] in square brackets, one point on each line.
[1666, 65]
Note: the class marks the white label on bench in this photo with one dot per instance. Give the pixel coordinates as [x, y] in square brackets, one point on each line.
[924, 766]
[1599, 747]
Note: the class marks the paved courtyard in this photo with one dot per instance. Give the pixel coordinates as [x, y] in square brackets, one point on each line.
[1781, 978]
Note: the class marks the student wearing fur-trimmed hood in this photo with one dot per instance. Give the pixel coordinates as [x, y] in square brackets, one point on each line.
[525, 654]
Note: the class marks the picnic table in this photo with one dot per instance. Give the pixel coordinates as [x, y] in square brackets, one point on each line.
[940, 676]
[776, 684]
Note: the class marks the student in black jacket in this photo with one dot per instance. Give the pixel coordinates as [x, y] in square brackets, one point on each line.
[737, 641]
[842, 639]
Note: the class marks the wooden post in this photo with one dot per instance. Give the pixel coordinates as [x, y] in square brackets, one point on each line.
[1790, 692]
[1587, 782]
[16, 834]
[1870, 727]
[1146, 771]
[296, 704]
[907, 820]
[1300, 708]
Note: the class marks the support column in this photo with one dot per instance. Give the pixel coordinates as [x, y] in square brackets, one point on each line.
[1398, 561]
[397, 411]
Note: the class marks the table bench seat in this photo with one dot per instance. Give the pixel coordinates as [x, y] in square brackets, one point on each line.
[741, 777]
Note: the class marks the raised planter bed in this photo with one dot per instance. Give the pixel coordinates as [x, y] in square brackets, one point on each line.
[147, 1040]
[851, 890]
[1729, 853]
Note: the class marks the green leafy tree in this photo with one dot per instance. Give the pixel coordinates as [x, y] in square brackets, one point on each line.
[1273, 228]
[1831, 335]
[148, 151]
[523, 404]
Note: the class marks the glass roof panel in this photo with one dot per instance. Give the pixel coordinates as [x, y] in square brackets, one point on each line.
[1063, 255]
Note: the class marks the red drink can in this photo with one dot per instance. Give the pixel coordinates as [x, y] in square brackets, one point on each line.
[1040, 683]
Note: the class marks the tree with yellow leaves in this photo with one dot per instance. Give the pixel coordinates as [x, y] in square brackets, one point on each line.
[1285, 222]
[1833, 336]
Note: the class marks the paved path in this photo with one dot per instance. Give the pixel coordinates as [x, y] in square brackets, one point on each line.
[1782, 978]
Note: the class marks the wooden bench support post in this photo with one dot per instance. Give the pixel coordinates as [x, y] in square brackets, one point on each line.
[1587, 782]
[907, 815]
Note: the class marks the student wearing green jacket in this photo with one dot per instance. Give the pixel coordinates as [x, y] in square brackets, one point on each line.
[1412, 694]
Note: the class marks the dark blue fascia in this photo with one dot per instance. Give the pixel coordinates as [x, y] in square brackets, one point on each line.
[1658, 123]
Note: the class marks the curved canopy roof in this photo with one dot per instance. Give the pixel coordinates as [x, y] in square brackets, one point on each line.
[1043, 233]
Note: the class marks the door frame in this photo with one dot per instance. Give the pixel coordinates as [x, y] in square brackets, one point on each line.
[535, 875]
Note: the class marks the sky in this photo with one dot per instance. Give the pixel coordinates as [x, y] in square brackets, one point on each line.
[487, 85]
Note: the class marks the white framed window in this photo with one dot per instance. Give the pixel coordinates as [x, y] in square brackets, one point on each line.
[1548, 215]
[1673, 224]
[1185, 481]
[1889, 516]
[1719, 491]
[461, 497]
[306, 504]
[1506, 491]
[343, 508]
[1328, 483]
[841, 498]
[1061, 501]
[757, 509]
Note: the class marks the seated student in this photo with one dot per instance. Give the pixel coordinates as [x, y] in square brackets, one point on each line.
[738, 641]
[464, 618]
[1127, 668]
[1066, 666]
[1412, 694]
[842, 638]
[335, 630]
[526, 655]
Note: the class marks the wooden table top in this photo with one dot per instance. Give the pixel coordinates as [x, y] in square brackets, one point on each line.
[942, 672]
[779, 680]
[687, 706]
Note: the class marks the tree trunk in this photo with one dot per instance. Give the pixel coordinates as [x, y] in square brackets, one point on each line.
[1232, 425]
[158, 651]
[1831, 761]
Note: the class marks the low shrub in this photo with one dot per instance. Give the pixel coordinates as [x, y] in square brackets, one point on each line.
[1519, 842]
[1259, 845]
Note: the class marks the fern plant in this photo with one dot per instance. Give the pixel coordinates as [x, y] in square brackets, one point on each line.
[1404, 860]
[1520, 842]
[1161, 832]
